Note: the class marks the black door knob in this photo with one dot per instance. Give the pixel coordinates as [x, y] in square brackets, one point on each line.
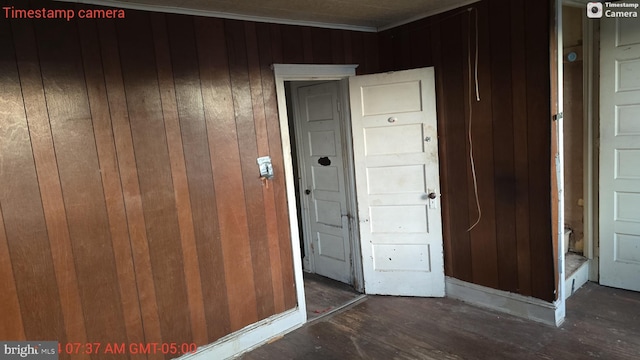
[307, 191]
[432, 195]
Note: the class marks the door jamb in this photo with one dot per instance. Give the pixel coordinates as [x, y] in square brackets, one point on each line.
[357, 275]
[557, 155]
[295, 72]
[591, 86]
[591, 106]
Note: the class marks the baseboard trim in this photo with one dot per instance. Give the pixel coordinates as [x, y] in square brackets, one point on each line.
[577, 279]
[506, 302]
[250, 337]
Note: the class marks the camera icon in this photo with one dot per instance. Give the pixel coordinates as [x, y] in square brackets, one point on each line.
[594, 10]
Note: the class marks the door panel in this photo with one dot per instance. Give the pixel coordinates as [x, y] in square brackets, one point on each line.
[396, 163]
[319, 142]
[620, 153]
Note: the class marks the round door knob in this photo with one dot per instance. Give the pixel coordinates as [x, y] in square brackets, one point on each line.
[432, 195]
[307, 191]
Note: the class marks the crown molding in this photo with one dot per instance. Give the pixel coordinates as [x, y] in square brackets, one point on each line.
[451, 6]
[220, 14]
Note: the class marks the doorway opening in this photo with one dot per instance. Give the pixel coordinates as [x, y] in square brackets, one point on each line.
[578, 152]
[322, 164]
[394, 239]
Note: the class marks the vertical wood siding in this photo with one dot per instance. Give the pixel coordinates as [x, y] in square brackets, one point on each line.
[511, 248]
[130, 205]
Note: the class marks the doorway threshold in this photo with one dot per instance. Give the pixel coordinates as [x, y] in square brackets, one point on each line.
[326, 296]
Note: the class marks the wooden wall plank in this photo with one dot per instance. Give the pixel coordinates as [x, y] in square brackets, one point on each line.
[129, 180]
[154, 174]
[186, 100]
[453, 119]
[422, 55]
[14, 143]
[276, 44]
[307, 44]
[371, 63]
[292, 44]
[259, 76]
[275, 148]
[322, 47]
[385, 43]
[404, 48]
[225, 158]
[247, 142]
[348, 51]
[443, 158]
[257, 97]
[11, 327]
[357, 52]
[48, 311]
[79, 171]
[503, 145]
[337, 47]
[520, 146]
[539, 122]
[262, 138]
[483, 236]
[113, 196]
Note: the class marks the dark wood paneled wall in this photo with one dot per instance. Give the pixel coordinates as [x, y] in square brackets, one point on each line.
[511, 247]
[130, 204]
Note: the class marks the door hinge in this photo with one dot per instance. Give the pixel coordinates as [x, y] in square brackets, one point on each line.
[338, 105]
[557, 116]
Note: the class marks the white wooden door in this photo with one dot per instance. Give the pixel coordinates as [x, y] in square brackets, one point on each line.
[396, 166]
[620, 153]
[323, 186]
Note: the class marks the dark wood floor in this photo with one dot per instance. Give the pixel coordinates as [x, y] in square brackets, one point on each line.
[602, 323]
[324, 295]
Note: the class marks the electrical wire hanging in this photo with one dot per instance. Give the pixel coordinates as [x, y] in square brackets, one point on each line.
[473, 76]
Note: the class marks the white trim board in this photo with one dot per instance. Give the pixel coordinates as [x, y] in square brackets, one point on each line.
[506, 302]
[288, 72]
[591, 103]
[251, 336]
[575, 3]
[560, 306]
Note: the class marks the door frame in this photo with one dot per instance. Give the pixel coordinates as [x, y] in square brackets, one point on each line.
[557, 155]
[590, 136]
[298, 72]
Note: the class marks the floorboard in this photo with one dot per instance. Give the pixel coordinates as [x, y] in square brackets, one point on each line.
[324, 295]
[601, 323]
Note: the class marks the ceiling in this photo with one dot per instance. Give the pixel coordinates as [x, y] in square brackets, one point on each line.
[365, 15]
